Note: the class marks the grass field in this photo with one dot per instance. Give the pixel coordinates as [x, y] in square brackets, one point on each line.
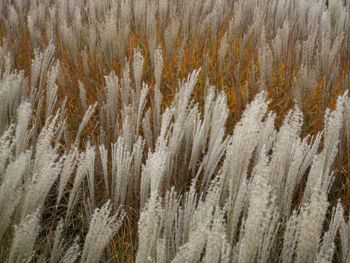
[174, 131]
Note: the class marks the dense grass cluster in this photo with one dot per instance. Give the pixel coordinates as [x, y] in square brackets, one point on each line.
[174, 131]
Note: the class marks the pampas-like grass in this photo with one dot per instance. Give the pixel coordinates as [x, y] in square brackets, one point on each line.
[103, 227]
[11, 190]
[237, 215]
[179, 177]
[25, 234]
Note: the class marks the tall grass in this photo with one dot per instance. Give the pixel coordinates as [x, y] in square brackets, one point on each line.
[174, 131]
